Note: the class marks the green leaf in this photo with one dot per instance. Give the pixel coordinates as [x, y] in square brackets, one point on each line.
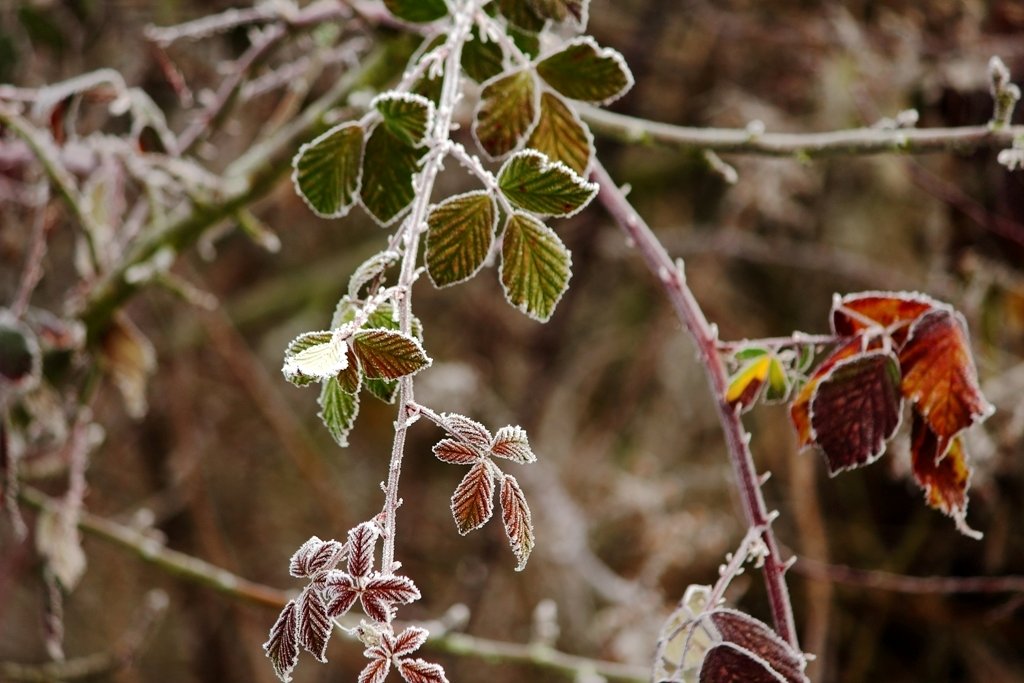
[561, 135]
[778, 382]
[535, 266]
[389, 164]
[585, 71]
[506, 112]
[459, 235]
[369, 270]
[430, 87]
[383, 389]
[533, 182]
[482, 59]
[407, 115]
[327, 170]
[561, 10]
[388, 354]
[520, 13]
[417, 11]
[338, 410]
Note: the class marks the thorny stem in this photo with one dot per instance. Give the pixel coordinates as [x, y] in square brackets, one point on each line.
[705, 336]
[413, 228]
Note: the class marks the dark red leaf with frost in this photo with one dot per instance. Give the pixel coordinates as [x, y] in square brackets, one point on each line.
[891, 311]
[376, 670]
[377, 607]
[420, 671]
[394, 589]
[940, 468]
[456, 452]
[283, 645]
[855, 409]
[512, 443]
[729, 663]
[515, 514]
[408, 641]
[344, 594]
[361, 543]
[470, 431]
[314, 626]
[757, 637]
[939, 376]
[316, 556]
[473, 500]
[800, 408]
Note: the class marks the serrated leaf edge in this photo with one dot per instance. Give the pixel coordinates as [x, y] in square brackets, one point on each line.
[547, 164]
[407, 97]
[529, 129]
[554, 305]
[356, 193]
[601, 52]
[494, 226]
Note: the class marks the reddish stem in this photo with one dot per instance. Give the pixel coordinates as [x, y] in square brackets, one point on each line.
[706, 338]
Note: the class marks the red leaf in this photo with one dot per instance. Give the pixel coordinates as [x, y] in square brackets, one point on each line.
[344, 593]
[515, 513]
[512, 443]
[729, 663]
[314, 626]
[408, 641]
[755, 636]
[456, 452]
[377, 607]
[939, 375]
[856, 409]
[420, 671]
[376, 671]
[316, 556]
[800, 409]
[469, 431]
[891, 311]
[283, 645]
[473, 500]
[941, 469]
[395, 589]
[361, 542]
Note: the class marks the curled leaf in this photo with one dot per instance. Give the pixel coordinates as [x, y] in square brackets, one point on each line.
[283, 645]
[515, 514]
[940, 468]
[315, 556]
[892, 312]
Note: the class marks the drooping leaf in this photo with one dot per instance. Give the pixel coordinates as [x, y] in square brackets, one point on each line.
[800, 408]
[533, 182]
[891, 311]
[368, 271]
[469, 431]
[756, 637]
[314, 356]
[585, 71]
[940, 468]
[417, 11]
[408, 641]
[456, 452]
[512, 443]
[388, 354]
[338, 410]
[939, 375]
[459, 235]
[20, 357]
[327, 171]
[473, 500]
[778, 382]
[856, 409]
[520, 13]
[283, 645]
[389, 164]
[314, 626]
[729, 663]
[562, 10]
[482, 59]
[315, 556]
[376, 670]
[535, 266]
[408, 116]
[506, 113]
[745, 386]
[561, 135]
[515, 514]
[420, 671]
[361, 543]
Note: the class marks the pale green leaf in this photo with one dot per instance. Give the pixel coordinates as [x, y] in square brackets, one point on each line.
[585, 71]
[314, 356]
[533, 182]
[459, 235]
[561, 135]
[417, 11]
[506, 113]
[338, 410]
[407, 115]
[535, 266]
[388, 354]
[327, 172]
[388, 168]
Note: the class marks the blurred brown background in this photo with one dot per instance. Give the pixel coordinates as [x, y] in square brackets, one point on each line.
[632, 496]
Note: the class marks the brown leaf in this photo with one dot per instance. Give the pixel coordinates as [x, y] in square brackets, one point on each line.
[892, 311]
[515, 514]
[283, 645]
[473, 500]
[729, 663]
[941, 469]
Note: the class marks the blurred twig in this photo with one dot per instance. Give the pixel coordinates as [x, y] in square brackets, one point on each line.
[902, 583]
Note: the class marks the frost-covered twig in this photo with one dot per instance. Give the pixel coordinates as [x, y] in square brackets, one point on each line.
[672, 279]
